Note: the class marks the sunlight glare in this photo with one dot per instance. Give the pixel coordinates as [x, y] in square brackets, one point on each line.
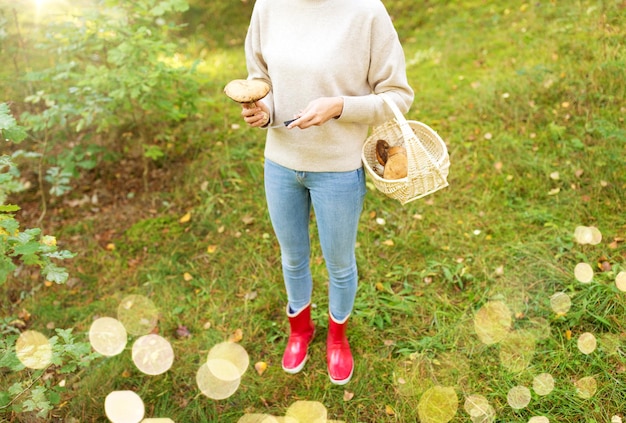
[213, 387]
[153, 354]
[124, 407]
[33, 350]
[108, 336]
[518, 397]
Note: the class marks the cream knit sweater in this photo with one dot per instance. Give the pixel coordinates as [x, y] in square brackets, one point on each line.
[308, 49]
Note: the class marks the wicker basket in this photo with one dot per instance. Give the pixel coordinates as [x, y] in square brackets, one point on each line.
[427, 156]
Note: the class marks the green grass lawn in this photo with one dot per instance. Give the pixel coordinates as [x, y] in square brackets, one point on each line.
[529, 97]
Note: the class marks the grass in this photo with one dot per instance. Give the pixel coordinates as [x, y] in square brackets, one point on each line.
[519, 91]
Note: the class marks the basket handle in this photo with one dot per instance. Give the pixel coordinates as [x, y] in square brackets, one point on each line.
[407, 132]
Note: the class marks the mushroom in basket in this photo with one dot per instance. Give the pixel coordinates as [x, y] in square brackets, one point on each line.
[394, 160]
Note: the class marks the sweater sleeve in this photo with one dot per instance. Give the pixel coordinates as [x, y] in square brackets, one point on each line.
[255, 62]
[387, 73]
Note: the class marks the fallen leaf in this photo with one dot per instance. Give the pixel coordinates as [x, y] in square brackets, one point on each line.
[211, 249]
[390, 411]
[18, 324]
[347, 395]
[206, 326]
[182, 332]
[110, 247]
[187, 276]
[186, 218]
[260, 367]
[604, 265]
[380, 286]
[236, 336]
[389, 243]
[250, 296]
[24, 315]
[568, 334]
[247, 220]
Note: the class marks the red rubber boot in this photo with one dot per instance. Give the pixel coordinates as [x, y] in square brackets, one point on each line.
[338, 354]
[300, 335]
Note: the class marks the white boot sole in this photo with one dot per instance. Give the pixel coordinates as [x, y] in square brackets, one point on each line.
[341, 382]
[296, 369]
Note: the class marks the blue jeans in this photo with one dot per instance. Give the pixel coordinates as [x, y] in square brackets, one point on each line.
[337, 200]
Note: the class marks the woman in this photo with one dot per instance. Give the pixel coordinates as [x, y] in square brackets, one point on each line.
[326, 61]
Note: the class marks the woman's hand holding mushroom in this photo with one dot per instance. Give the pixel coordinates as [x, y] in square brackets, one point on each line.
[255, 114]
[248, 92]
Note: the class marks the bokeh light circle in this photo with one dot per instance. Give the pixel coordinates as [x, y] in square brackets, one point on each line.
[543, 384]
[223, 370]
[596, 235]
[583, 272]
[228, 352]
[439, 404]
[108, 336]
[609, 343]
[518, 397]
[138, 314]
[587, 235]
[582, 235]
[308, 411]
[587, 343]
[124, 407]
[479, 409]
[492, 322]
[560, 302]
[33, 350]
[153, 354]
[586, 387]
[213, 387]
[517, 351]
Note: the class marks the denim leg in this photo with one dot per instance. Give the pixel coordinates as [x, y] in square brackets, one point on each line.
[289, 206]
[338, 201]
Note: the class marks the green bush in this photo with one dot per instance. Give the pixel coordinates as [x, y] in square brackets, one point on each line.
[111, 82]
[27, 246]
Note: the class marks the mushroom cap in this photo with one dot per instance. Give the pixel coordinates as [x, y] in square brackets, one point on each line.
[398, 149]
[382, 151]
[396, 167]
[246, 90]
